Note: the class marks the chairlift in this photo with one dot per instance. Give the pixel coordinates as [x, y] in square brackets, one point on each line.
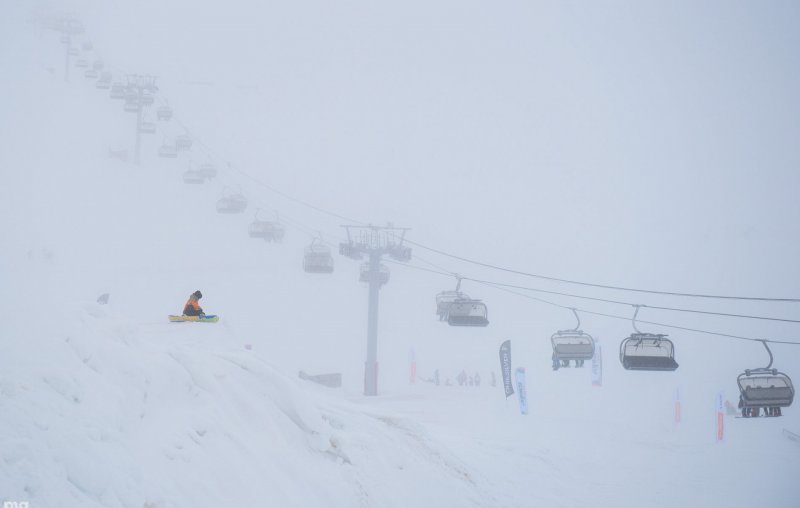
[183, 142]
[317, 258]
[458, 309]
[117, 91]
[232, 203]
[102, 84]
[87, 46]
[270, 231]
[73, 52]
[98, 65]
[167, 151]
[467, 312]
[106, 76]
[446, 298]
[146, 98]
[366, 273]
[90, 74]
[164, 113]
[147, 127]
[132, 106]
[193, 177]
[647, 351]
[572, 344]
[765, 388]
[81, 63]
[65, 39]
[208, 170]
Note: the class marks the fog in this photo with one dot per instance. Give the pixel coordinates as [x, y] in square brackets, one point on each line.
[648, 146]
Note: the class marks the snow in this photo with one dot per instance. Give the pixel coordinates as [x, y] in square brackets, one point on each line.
[113, 406]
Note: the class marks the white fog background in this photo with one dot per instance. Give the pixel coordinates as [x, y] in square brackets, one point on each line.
[645, 145]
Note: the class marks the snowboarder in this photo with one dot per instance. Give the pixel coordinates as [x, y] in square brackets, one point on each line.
[192, 307]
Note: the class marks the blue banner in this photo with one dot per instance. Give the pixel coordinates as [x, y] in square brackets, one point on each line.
[522, 391]
[597, 366]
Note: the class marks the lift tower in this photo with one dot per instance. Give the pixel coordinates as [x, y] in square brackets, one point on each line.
[374, 242]
[140, 84]
[68, 25]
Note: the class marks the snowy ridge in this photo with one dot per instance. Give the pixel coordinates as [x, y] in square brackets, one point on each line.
[116, 414]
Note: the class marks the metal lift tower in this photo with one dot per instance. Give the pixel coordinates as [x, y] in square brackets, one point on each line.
[375, 242]
[140, 83]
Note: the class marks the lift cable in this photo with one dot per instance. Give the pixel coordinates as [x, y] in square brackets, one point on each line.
[618, 302]
[602, 286]
[586, 311]
[500, 268]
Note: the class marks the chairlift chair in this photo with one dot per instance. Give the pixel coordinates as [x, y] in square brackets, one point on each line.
[164, 113]
[467, 312]
[132, 106]
[208, 170]
[366, 274]
[445, 299]
[270, 231]
[233, 203]
[193, 177]
[87, 46]
[102, 84]
[183, 142]
[573, 344]
[317, 258]
[647, 351]
[90, 74]
[81, 63]
[147, 128]
[765, 388]
[146, 99]
[73, 52]
[167, 151]
[98, 65]
[65, 39]
[117, 91]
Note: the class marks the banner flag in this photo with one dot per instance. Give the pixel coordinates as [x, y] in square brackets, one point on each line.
[597, 366]
[677, 405]
[522, 392]
[505, 367]
[720, 408]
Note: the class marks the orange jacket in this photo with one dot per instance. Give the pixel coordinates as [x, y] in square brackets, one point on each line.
[192, 304]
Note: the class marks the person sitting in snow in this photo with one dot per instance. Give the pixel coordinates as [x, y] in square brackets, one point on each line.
[192, 307]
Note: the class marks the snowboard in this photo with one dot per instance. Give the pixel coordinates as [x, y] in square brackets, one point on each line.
[208, 318]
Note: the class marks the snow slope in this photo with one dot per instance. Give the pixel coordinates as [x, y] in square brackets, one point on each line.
[110, 405]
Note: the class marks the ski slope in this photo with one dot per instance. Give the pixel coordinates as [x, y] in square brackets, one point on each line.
[113, 406]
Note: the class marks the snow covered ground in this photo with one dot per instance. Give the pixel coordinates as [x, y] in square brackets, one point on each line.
[111, 405]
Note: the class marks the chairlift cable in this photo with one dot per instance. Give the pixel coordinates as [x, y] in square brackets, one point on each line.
[528, 274]
[602, 286]
[657, 307]
[665, 325]
[503, 287]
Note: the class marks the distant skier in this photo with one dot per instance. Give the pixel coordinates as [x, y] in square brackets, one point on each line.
[192, 307]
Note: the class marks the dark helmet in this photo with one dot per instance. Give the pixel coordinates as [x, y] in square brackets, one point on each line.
[197, 294]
